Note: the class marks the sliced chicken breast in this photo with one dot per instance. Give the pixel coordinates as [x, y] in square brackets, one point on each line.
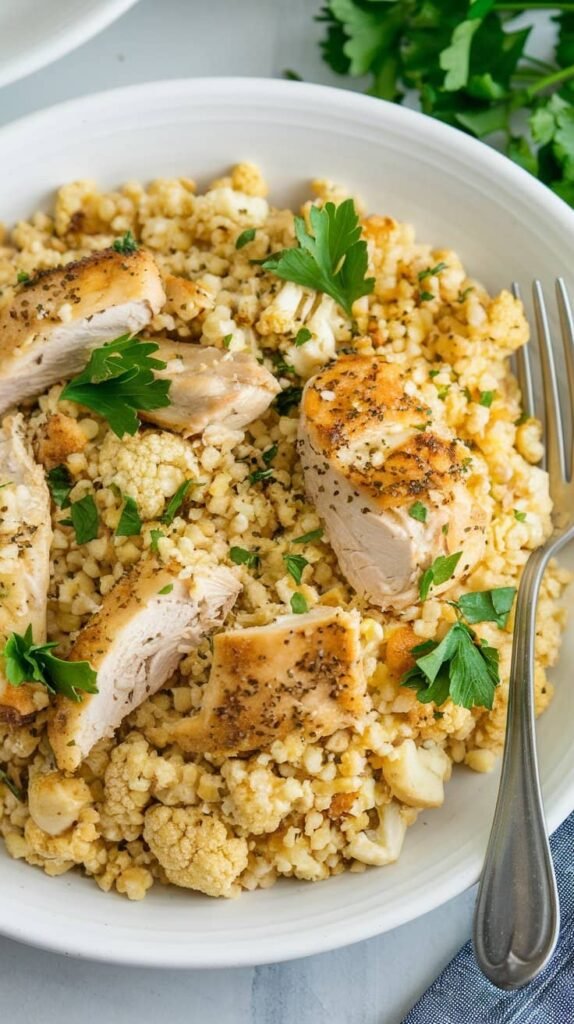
[208, 386]
[54, 321]
[370, 452]
[147, 623]
[301, 672]
[25, 538]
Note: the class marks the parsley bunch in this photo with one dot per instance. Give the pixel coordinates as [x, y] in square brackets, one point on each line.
[469, 65]
[119, 381]
[27, 662]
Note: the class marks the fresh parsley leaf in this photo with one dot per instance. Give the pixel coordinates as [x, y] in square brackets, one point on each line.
[303, 335]
[227, 340]
[119, 381]
[333, 259]
[487, 605]
[431, 271]
[155, 536]
[270, 454]
[426, 296]
[460, 667]
[60, 484]
[84, 518]
[125, 244]
[288, 398]
[438, 573]
[298, 604]
[241, 556]
[486, 398]
[167, 589]
[418, 511]
[245, 237]
[130, 524]
[14, 789]
[520, 516]
[22, 277]
[295, 565]
[308, 538]
[176, 502]
[27, 662]
[260, 474]
[463, 295]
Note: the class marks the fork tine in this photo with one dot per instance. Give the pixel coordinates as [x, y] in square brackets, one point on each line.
[524, 369]
[567, 326]
[553, 434]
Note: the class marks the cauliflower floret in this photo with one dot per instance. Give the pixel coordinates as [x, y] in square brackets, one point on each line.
[57, 854]
[148, 467]
[381, 845]
[247, 211]
[327, 326]
[133, 770]
[287, 310]
[259, 800]
[55, 801]
[195, 849]
[416, 774]
[506, 323]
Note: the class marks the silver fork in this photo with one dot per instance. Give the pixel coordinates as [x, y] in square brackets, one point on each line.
[517, 915]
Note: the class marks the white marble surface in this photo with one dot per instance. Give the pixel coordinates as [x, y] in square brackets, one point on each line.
[373, 982]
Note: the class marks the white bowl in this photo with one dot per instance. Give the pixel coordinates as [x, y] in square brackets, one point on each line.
[34, 33]
[459, 193]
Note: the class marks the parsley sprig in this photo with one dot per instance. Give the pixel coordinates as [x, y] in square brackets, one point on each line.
[469, 63]
[119, 381]
[27, 662]
[333, 259]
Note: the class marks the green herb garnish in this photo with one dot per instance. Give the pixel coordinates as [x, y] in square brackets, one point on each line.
[426, 296]
[155, 537]
[60, 483]
[27, 662]
[241, 556]
[246, 236]
[22, 277]
[303, 336]
[419, 512]
[119, 381]
[130, 524]
[486, 398]
[167, 589]
[125, 244]
[520, 516]
[260, 474]
[176, 502]
[270, 454]
[14, 789]
[227, 340]
[431, 271]
[298, 604]
[84, 518]
[295, 565]
[288, 398]
[460, 667]
[439, 572]
[308, 538]
[487, 605]
[333, 259]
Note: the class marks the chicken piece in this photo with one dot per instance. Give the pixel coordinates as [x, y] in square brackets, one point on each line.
[25, 538]
[208, 386]
[47, 332]
[301, 671]
[187, 299]
[370, 452]
[147, 623]
[62, 436]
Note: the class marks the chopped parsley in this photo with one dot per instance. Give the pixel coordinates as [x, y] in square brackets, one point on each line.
[260, 474]
[241, 556]
[270, 454]
[418, 511]
[298, 604]
[431, 271]
[60, 484]
[245, 237]
[461, 667]
[487, 605]
[227, 340]
[303, 335]
[439, 572]
[295, 565]
[125, 244]
[426, 296]
[119, 381]
[167, 589]
[463, 295]
[84, 518]
[155, 537]
[333, 259]
[288, 398]
[130, 524]
[27, 662]
[14, 789]
[520, 516]
[22, 277]
[486, 398]
[176, 502]
[308, 538]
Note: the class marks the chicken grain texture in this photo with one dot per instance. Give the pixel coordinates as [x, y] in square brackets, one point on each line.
[211, 386]
[300, 672]
[25, 538]
[53, 321]
[146, 625]
[370, 449]
[305, 808]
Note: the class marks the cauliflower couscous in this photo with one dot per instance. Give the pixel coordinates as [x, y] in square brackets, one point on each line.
[328, 787]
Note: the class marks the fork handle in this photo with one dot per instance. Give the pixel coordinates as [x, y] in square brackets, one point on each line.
[517, 916]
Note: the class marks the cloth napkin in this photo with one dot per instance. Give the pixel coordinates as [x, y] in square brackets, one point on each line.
[462, 995]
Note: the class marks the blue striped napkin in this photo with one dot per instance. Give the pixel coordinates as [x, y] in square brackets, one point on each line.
[462, 995]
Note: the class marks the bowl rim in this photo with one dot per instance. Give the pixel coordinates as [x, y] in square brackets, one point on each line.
[83, 28]
[263, 92]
